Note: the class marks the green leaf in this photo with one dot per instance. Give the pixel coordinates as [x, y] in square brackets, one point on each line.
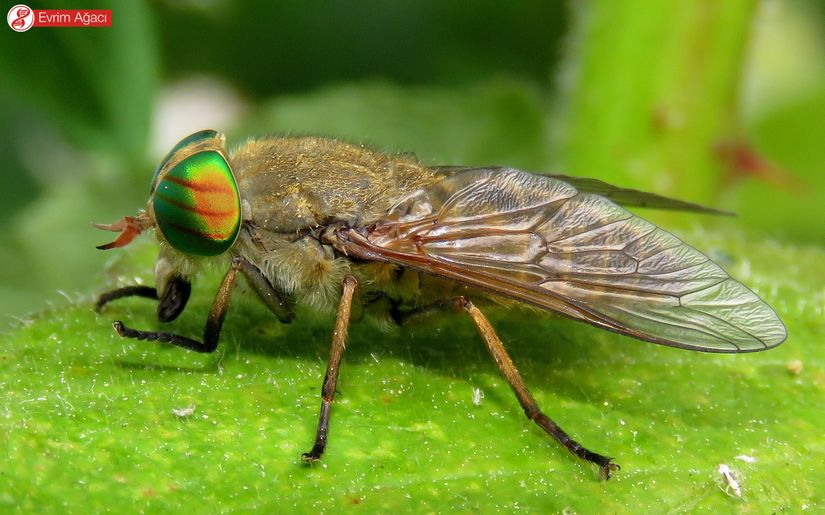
[88, 418]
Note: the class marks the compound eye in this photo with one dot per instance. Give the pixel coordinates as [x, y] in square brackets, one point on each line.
[196, 204]
[197, 137]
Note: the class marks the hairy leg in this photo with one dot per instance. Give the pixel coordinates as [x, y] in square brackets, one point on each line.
[176, 295]
[171, 302]
[528, 403]
[214, 322]
[339, 340]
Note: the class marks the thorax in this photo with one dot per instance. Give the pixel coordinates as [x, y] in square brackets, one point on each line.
[294, 184]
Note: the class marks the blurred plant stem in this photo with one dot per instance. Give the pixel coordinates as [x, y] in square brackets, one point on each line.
[648, 90]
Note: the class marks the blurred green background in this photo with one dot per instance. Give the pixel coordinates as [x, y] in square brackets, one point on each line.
[721, 103]
[651, 96]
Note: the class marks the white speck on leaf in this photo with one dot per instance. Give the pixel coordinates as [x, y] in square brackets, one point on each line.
[746, 458]
[477, 396]
[730, 481]
[184, 412]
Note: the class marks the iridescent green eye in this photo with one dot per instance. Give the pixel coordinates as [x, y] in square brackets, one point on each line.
[188, 140]
[197, 206]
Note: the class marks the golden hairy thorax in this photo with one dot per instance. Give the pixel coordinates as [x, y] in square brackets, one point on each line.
[290, 184]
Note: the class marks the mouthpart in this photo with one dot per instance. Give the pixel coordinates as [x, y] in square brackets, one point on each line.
[129, 227]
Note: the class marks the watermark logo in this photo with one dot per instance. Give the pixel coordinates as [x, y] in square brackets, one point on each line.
[20, 18]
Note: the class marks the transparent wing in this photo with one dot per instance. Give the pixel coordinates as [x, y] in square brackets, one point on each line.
[540, 240]
[621, 196]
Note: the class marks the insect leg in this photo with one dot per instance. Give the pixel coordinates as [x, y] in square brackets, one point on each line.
[525, 398]
[269, 295]
[402, 318]
[172, 301]
[212, 330]
[148, 292]
[336, 351]
[174, 298]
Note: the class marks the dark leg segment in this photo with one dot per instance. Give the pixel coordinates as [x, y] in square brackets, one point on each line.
[172, 301]
[268, 294]
[528, 403]
[177, 294]
[402, 318]
[336, 351]
[211, 332]
[127, 291]
[174, 298]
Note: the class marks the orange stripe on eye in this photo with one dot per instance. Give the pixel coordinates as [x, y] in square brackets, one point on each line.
[199, 209]
[208, 235]
[201, 185]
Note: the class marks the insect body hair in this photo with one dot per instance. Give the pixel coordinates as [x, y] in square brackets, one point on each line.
[305, 270]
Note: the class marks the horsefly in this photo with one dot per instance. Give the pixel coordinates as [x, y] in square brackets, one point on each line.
[319, 222]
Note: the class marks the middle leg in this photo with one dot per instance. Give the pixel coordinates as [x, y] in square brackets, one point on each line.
[336, 351]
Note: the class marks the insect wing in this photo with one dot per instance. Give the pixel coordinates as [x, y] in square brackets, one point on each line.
[621, 196]
[538, 239]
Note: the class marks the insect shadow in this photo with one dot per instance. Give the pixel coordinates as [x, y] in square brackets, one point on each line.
[547, 349]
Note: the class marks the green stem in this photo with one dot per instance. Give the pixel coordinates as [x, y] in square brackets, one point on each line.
[649, 88]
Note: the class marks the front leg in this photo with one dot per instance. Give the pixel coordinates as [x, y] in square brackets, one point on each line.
[336, 351]
[174, 298]
[177, 294]
[171, 302]
[214, 322]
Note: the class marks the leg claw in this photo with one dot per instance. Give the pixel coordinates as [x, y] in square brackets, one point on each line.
[310, 457]
[607, 468]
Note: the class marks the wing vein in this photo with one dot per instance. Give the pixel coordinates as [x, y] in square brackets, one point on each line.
[589, 229]
[712, 334]
[493, 229]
